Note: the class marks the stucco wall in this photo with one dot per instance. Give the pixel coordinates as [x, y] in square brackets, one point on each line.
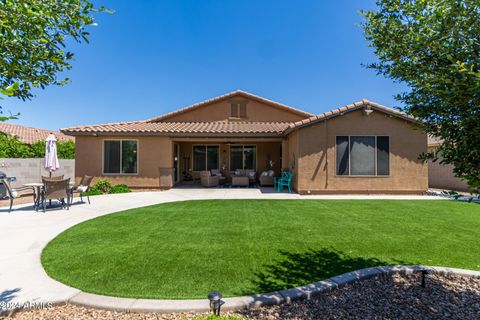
[441, 176]
[293, 158]
[316, 163]
[154, 161]
[31, 170]
[221, 112]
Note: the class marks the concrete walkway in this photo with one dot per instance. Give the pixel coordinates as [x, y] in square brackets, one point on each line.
[24, 233]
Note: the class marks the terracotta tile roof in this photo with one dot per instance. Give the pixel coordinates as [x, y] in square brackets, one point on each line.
[227, 96]
[182, 128]
[29, 134]
[348, 108]
[221, 128]
[434, 141]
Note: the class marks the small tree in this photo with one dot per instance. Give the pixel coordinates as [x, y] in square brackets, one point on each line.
[32, 42]
[433, 46]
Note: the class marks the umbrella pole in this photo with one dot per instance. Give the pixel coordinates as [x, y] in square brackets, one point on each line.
[50, 202]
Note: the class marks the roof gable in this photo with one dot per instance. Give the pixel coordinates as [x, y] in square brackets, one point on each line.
[231, 95]
[363, 104]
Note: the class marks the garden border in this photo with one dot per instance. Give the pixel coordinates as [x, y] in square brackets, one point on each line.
[259, 300]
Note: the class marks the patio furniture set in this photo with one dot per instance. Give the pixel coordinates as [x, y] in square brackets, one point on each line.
[246, 178]
[51, 188]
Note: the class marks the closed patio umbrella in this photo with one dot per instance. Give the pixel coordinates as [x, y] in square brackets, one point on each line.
[51, 160]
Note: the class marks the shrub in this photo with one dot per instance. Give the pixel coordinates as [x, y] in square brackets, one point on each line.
[12, 147]
[103, 185]
[120, 188]
[93, 192]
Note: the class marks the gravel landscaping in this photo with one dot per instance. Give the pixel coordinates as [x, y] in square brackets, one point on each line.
[385, 297]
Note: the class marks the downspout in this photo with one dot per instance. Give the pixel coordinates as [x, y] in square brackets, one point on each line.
[326, 153]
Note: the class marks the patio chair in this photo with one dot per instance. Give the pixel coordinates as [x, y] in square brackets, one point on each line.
[81, 188]
[276, 179]
[15, 193]
[56, 190]
[285, 182]
[207, 180]
[56, 178]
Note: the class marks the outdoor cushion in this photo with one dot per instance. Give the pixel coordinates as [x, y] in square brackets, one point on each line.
[82, 188]
[14, 193]
[264, 174]
[271, 173]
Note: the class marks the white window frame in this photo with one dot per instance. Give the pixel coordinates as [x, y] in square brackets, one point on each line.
[350, 158]
[206, 155]
[120, 173]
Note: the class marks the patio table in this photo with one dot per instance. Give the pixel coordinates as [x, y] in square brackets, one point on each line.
[37, 187]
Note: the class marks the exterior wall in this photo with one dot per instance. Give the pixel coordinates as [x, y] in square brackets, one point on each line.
[292, 158]
[441, 176]
[31, 170]
[155, 160]
[257, 112]
[265, 151]
[316, 163]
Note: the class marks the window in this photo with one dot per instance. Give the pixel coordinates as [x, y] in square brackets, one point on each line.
[120, 156]
[363, 155]
[243, 157]
[205, 158]
[238, 109]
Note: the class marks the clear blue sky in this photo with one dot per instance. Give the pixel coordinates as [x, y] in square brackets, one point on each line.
[151, 57]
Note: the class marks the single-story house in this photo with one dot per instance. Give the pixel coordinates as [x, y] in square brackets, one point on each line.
[363, 147]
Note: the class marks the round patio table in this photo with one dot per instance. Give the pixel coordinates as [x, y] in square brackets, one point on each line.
[37, 187]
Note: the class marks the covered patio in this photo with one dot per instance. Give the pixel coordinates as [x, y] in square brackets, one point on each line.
[226, 158]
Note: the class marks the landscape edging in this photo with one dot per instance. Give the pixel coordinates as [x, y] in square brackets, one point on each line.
[258, 300]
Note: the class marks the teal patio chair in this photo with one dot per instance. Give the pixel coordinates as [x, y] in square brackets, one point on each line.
[276, 179]
[285, 181]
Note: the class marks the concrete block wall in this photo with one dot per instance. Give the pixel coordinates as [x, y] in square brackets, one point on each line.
[31, 170]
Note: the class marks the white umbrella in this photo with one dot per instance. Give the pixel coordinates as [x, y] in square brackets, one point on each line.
[51, 160]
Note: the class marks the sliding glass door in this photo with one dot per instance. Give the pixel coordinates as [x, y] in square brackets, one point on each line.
[243, 157]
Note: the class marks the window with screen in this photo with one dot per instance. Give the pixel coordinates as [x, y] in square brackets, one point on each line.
[120, 156]
[362, 155]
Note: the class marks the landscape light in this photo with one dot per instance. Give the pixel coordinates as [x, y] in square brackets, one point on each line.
[216, 302]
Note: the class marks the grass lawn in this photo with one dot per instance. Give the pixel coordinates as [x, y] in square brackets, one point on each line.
[186, 249]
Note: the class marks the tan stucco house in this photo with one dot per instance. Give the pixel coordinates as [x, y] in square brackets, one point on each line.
[360, 148]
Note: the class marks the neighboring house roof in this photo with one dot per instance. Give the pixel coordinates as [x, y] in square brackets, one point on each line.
[434, 141]
[228, 96]
[30, 135]
[363, 104]
[182, 128]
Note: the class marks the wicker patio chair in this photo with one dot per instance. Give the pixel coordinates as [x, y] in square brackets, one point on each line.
[14, 193]
[82, 188]
[56, 190]
[207, 180]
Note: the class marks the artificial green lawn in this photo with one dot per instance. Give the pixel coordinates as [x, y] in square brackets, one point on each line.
[186, 249]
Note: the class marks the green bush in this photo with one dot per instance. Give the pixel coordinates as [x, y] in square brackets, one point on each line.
[103, 185]
[93, 192]
[12, 147]
[120, 188]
